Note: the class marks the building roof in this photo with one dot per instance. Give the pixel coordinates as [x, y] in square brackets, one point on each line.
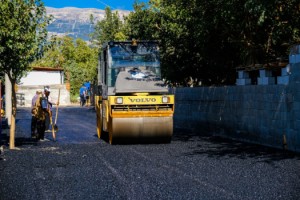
[46, 69]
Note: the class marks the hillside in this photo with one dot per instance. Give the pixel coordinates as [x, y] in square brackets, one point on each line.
[75, 22]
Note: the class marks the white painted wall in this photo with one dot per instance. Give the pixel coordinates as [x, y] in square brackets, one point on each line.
[29, 91]
[42, 78]
[37, 80]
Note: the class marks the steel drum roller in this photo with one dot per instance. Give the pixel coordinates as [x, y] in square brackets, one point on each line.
[140, 129]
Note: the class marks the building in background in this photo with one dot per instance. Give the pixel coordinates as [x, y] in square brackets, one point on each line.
[43, 76]
[37, 79]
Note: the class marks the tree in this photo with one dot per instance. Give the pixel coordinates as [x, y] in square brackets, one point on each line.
[78, 60]
[83, 66]
[143, 23]
[209, 39]
[52, 56]
[22, 38]
[110, 28]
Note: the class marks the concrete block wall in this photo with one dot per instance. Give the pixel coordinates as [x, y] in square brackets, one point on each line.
[265, 77]
[243, 78]
[263, 114]
[285, 76]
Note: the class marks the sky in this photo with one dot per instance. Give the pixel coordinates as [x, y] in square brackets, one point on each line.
[100, 4]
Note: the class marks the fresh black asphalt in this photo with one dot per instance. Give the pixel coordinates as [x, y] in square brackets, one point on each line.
[193, 166]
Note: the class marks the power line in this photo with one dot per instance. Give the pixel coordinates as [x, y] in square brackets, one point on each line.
[105, 4]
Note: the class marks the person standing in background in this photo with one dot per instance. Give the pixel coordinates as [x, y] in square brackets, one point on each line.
[87, 84]
[50, 104]
[34, 112]
[38, 116]
[82, 94]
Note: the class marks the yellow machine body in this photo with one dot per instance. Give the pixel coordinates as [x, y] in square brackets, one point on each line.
[131, 109]
[136, 119]
[2, 113]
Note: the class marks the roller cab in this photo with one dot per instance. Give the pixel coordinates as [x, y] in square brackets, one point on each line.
[133, 103]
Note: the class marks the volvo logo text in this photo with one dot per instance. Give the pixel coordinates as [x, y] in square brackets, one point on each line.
[142, 100]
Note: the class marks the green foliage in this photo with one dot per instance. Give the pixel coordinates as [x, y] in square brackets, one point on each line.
[108, 29]
[77, 58]
[142, 24]
[84, 66]
[207, 40]
[22, 35]
[52, 56]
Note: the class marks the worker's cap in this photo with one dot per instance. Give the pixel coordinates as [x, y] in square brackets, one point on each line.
[47, 89]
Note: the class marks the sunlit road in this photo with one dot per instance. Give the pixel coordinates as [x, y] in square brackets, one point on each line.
[193, 166]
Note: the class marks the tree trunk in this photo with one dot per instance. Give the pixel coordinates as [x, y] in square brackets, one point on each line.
[12, 132]
[13, 115]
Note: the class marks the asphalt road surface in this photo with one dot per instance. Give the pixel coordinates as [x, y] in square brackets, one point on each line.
[193, 166]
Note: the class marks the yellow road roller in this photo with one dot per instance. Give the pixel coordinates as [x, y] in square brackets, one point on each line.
[133, 104]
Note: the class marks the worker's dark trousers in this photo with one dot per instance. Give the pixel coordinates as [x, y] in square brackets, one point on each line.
[47, 121]
[82, 100]
[40, 129]
[33, 126]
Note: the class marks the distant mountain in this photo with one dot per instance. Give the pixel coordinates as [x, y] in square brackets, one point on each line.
[76, 22]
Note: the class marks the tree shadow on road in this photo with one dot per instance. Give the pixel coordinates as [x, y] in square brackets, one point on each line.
[25, 141]
[19, 141]
[215, 146]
